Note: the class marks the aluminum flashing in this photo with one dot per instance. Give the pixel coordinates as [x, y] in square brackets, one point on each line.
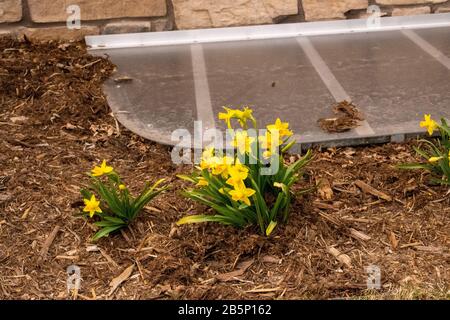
[265, 31]
[394, 76]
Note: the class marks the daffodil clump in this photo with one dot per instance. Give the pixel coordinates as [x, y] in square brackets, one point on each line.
[436, 154]
[238, 185]
[115, 208]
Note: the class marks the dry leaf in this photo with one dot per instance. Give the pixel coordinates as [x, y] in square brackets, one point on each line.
[116, 282]
[393, 240]
[242, 267]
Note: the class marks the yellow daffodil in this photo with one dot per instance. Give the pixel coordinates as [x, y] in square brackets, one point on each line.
[122, 187]
[208, 153]
[238, 173]
[221, 165]
[207, 163]
[243, 142]
[281, 127]
[227, 116]
[267, 154]
[102, 169]
[207, 158]
[242, 193]
[92, 206]
[435, 159]
[202, 182]
[429, 123]
[266, 140]
[243, 116]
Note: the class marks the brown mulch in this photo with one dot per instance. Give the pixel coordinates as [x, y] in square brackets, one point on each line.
[55, 125]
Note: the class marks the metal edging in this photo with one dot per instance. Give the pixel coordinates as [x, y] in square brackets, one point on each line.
[264, 31]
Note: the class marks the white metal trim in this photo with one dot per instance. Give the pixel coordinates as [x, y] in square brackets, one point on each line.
[265, 31]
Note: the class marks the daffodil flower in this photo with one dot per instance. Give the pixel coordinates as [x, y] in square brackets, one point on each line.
[208, 153]
[221, 165]
[92, 206]
[281, 127]
[267, 139]
[242, 193]
[208, 158]
[98, 171]
[428, 123]
[207, 163]
[243, 116]
[243, 142]
[122, 187]
[268, 142]
[238, 173]
[227, 116]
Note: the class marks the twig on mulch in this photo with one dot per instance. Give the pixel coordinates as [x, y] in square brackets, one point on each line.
[341, 257]
[48, 242]
[368, 189]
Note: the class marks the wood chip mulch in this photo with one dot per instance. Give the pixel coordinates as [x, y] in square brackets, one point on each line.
[55, 125]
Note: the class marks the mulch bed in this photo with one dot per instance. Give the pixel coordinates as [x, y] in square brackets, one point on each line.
[55, 125]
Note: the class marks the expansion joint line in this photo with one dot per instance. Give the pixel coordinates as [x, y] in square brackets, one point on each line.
[328, 78]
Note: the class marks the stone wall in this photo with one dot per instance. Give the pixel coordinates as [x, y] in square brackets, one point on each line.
[47, 19]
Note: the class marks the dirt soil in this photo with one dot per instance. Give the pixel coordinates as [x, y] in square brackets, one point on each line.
[55, 125]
